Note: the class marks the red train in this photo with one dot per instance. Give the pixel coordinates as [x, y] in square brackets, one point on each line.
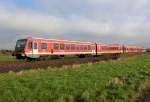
[35, 48]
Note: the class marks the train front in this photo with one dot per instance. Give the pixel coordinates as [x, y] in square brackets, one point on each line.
[20, 49]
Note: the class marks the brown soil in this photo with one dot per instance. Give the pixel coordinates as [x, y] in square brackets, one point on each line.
[7, 66]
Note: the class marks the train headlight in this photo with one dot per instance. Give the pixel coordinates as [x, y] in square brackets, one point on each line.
[22, 54]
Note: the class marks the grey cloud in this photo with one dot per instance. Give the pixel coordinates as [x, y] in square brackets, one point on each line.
[109, 21]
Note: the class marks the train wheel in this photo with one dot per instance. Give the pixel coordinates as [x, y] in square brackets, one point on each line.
[62, 55]
[81, 56]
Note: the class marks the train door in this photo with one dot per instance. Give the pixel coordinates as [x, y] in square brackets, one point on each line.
[35, 50]
[94, 48]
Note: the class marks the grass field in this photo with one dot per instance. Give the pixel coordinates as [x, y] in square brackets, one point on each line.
[113, 81]
[6, 57]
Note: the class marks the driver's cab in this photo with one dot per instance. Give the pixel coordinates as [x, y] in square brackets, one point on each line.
[20, 48]
[26, 48]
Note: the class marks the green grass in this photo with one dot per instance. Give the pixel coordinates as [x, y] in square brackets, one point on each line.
[113, 81]
[6, 57]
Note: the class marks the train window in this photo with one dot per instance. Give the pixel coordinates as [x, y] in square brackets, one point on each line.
[81, 47]
[56, 46]
[44, 45]
[112, 48]
[30, 45]
[89, 47]
[85, 48]
[72, 46]
[35, 45]
[77, 47]
[67, 46]
[62, 46]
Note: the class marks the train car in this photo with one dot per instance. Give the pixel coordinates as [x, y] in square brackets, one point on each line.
[142, 49]
[37, 47]
[134, 49]
[109, 48]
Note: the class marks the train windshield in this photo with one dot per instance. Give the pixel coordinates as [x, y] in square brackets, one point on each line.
[20, 44]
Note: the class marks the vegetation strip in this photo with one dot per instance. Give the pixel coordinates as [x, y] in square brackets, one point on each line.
[113, 81]
[6, 66]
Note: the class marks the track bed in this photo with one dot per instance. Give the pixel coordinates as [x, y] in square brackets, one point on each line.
[6, 66]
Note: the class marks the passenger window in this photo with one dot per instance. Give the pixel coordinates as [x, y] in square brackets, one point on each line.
[81, 47]
[56, 46]
[44, 45]
[30, 45]
[77, 47]
[35, 45]
[67, 46]
[85, 48]
[89, 47]
[62, 46]
[72, 46]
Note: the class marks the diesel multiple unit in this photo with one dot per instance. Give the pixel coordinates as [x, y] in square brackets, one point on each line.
[35, 48]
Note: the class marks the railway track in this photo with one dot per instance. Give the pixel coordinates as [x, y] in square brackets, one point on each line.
[7, 66]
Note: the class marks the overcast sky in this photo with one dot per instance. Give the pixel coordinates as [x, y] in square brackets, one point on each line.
[103, 21]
